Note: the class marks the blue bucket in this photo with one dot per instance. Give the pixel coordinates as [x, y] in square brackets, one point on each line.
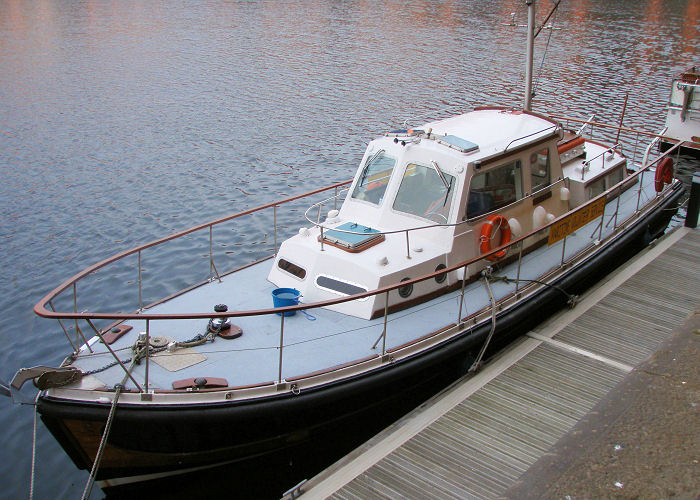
[283, 297]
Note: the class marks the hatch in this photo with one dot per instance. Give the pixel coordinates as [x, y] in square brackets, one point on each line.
[457, 143]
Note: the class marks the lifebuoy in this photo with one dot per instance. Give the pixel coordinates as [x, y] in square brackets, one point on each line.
[492, 223]
[664, 174]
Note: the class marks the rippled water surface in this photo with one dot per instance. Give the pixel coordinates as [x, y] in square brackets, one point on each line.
[121, 122]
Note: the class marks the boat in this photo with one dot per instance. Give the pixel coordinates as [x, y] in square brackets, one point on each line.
[683, 113]
[452, 239]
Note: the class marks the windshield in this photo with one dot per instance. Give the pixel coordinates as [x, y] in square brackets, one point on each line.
[424, 193]
[374, 178]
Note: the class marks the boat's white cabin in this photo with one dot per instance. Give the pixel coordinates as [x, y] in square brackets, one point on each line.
[683, 115]
[418, 203]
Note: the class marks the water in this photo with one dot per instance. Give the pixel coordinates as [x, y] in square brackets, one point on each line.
[121, 122]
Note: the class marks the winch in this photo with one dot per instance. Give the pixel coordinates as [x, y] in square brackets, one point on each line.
[223, 326]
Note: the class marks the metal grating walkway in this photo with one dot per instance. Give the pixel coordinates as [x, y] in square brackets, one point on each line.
[476, 439]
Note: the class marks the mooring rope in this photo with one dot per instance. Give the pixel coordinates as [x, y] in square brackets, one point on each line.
[139, 353]
[477, 362]
[31, 478]
[103, 442]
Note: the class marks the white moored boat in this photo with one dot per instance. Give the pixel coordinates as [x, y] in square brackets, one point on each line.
[683, 115]
[452, 239]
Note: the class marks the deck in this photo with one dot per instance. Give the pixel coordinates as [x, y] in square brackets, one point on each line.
[480, 437]
[341, 338]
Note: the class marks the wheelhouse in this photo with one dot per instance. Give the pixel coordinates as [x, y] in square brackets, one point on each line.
[418, 201]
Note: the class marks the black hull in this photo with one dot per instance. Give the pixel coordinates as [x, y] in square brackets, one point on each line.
[335, 418]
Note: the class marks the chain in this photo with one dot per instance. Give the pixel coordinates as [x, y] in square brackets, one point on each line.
[198, 339]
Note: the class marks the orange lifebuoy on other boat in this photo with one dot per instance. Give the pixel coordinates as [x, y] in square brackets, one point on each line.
[492, 223]
[664, 174]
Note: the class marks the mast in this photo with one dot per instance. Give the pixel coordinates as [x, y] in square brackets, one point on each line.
[530, 49]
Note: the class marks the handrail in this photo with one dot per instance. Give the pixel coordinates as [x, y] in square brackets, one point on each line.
[587, 163]
[530, 135]
[417, 228]
[585, 124]
[613, 127]
[77, 277]
[41, 310]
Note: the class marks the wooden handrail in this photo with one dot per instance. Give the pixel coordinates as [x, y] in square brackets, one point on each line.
[41, 310]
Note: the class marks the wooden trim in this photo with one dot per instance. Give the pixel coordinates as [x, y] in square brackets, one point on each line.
[420, 339]
[418, 299]
[191, 383]
[111, 336]
[217, 389]
[40, 309]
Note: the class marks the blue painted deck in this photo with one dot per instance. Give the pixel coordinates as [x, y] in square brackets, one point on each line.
[333, 338]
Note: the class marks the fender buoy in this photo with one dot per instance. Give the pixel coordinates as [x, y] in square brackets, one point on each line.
[664, 174]
[492, 223]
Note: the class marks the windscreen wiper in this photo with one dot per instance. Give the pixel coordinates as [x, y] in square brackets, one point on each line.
[440, 174]
[367, 163]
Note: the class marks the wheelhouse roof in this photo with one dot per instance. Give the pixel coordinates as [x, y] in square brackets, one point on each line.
[495, 131]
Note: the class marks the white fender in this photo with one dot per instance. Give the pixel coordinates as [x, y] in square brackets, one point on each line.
[564, 194]
[515, 228]
[460, 273]
[539, 217]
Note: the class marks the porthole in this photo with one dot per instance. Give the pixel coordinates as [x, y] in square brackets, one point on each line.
[441, 277]
[406, 290]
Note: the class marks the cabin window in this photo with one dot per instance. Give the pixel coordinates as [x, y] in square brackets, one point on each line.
[596, 187]
[374, 178]
[292, 269]
[425, 192]
[338, 286]
[615, 177]
[495, 188]
[539, 170]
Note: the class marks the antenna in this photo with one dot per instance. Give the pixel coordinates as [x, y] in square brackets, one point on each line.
[527, 105]
[531, 35]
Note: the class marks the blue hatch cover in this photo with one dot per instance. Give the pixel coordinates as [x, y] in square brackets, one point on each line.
[351, 240]
[455, 142]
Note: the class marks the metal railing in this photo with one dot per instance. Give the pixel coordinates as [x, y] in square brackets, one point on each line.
[462, 267]
[587, 164]
[318, 208]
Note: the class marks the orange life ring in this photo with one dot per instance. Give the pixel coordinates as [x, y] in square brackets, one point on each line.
[492, 223]
[664, 174]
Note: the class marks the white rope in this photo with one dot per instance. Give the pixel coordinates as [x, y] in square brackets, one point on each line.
[477, 362]
[31, 478]
[103, 442]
